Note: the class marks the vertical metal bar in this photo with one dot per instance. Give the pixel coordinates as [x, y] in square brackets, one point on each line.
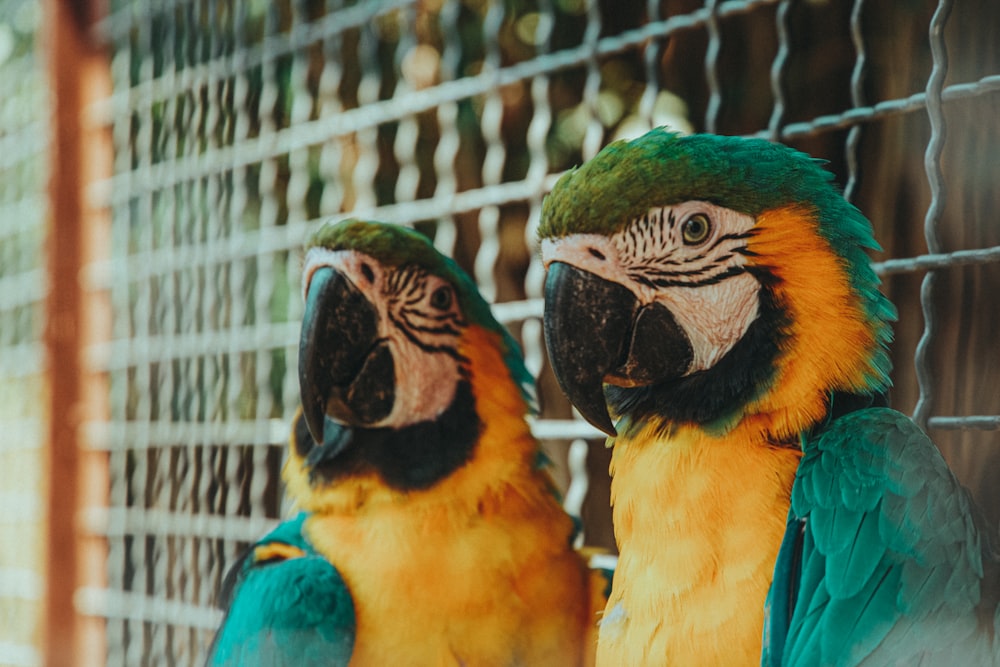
[143, 308]
[329, 104]
[408, 130]
[932, 165]
[579, 484]
[651, 63]
[594, 135]
[299, 182]
[78, 72]
[711, 67]
[122, 385]
[63, 315]
[366, 139]
[245, 469]
[212, 192]
[494, 160]
[276, 91]
[223, 193]
[222, 461]
[169, 210]
[190, 578]
[450, 140]
[857, 98]
[778, 71]
[538, 169]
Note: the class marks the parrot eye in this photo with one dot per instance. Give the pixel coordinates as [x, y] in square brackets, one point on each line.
[441, 298]
[695, 229]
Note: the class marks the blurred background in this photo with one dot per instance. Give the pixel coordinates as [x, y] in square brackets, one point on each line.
[163, 161]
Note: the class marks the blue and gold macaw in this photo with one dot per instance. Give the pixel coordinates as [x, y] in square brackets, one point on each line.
[432, 532]
[710, 305]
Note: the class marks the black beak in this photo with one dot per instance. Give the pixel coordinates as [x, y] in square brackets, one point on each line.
[346, 373]
[596, 332]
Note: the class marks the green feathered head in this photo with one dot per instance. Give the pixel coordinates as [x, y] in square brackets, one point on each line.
[661, 168]
[619, 192]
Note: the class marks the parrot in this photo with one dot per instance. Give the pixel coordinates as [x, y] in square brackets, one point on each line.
[428, 522]
[711, 306]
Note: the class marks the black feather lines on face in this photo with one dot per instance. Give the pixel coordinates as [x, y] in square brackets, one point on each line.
[417, 456]
[429, 329]
[653, 254]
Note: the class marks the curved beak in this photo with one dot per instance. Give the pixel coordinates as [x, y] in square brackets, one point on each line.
[596, 332]
[346, 373]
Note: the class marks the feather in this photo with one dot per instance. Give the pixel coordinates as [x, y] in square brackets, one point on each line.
[905, 584]
[285, 610]
[886, 530]
[848, 569]
[852, 627]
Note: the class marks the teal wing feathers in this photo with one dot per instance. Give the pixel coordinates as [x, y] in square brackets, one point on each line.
[885, 560]
[288, 606]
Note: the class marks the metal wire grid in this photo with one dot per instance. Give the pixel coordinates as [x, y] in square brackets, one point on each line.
[23, 209]
[238, 127]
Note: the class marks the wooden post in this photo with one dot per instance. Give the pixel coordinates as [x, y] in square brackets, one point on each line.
[77, 316]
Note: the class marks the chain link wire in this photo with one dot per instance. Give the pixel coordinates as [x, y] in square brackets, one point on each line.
[454, 117]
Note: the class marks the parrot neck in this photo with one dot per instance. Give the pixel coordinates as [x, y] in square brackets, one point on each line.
[717, 396]
[470, 456]
[412, 457]
[698, 520]
[484, 553]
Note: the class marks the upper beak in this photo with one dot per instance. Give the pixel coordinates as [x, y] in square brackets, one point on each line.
[346, 373]
[596, 332]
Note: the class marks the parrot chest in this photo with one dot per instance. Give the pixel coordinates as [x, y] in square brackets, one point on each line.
[439, 590]
[698, 522]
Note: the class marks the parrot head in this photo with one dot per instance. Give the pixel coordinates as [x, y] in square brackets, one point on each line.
[703, 279]
[391, 334]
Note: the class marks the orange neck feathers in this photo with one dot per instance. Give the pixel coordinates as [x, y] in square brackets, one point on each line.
[829, 342]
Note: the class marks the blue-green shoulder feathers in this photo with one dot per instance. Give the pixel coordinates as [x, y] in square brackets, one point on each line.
[884, 559]
[294, 612]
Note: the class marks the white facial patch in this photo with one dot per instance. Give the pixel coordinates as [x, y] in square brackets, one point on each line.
[714, 317]
[420, 319]
[659, 258]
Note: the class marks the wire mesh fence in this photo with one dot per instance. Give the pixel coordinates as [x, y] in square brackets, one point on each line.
[239, 126]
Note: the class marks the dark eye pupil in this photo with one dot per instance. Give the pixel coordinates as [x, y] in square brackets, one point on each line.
[441, 298]
[695, 229]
